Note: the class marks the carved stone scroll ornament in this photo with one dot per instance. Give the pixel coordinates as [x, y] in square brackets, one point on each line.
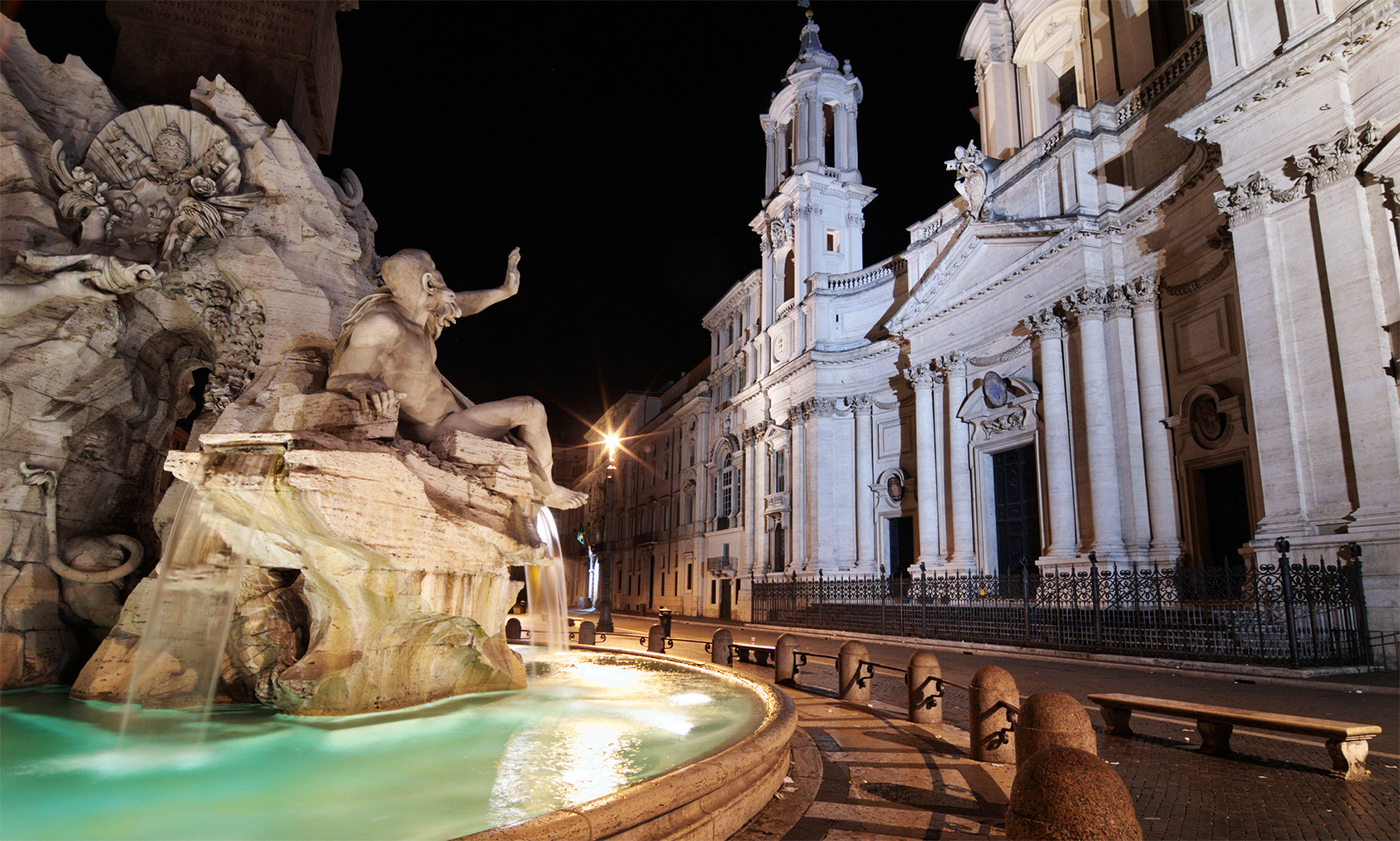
[1012, 420]
[47, 482]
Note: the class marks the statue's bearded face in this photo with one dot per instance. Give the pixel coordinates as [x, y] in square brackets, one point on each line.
[440, 302]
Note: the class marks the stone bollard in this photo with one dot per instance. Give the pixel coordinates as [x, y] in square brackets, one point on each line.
[989, 722]
[1053, 719]
[656, 639]
[721, 648]
[925, 705]
[587, 633]
[1065, 793]
[852, 679]
[785, 660]
[512, 630]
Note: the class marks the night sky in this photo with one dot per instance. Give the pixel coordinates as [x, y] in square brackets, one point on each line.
[618, 145]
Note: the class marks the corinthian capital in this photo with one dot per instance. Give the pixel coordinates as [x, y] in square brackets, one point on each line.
[1045, 324]
[920, 376]
[1142, 292]
[1086, 303]
[1254, 196]
[953, 364]
[1325, 163]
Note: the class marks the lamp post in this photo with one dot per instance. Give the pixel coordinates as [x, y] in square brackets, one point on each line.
[605, 623]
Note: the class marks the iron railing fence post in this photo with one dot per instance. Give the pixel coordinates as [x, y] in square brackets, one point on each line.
[1094, 590]
[821, 598]
[1286, 577]
[1358, 585]
[877, 583]
[1026, 599]
[923, 597]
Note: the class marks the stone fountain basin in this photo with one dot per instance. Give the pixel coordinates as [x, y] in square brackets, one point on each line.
[710, 799]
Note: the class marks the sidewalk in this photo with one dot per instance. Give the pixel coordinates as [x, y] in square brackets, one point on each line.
[869, 773]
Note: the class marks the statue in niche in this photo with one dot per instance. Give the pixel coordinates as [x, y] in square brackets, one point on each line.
[386, 358]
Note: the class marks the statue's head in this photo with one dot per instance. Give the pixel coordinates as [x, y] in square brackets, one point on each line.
[419, 288]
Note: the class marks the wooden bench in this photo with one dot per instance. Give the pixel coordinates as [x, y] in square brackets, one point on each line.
[760, 652]
[1346, 741]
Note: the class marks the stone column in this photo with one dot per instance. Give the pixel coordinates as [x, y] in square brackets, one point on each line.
[762, 464]
[797, 464]
[843, 132]
[1059, 461]
[1165, 548]
[801, 149]
[1127, 421]
[1357, 301]
[752, 522]
[864, 477]
[1103, 460]
[816, 128]
[961, 544]
[770, 165]
[921, 378]
[852, 154]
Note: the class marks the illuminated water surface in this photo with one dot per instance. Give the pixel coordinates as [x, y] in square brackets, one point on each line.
[589, 724]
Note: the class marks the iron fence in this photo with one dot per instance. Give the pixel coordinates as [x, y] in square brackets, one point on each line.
[1294, 614]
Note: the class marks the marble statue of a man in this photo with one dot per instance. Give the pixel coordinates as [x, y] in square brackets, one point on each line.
[386, 357]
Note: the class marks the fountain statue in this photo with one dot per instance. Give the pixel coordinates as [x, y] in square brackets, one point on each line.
[344, 524]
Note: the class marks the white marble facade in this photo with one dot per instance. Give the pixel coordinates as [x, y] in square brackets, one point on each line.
[1167, 296]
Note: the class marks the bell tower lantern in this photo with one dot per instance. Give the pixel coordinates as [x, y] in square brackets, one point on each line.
[814, 201]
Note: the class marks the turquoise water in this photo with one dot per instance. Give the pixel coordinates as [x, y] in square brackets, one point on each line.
[589, 723]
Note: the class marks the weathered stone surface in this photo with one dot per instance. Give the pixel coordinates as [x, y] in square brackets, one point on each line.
[1052, 719]
[502, 467]
[1067, 793]
[990, 695]
[11, 659]
[31, 603]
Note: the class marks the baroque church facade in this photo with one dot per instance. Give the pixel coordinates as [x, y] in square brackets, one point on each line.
[1159, 324]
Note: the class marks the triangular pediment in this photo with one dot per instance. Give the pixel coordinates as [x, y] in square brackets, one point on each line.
[979, 258]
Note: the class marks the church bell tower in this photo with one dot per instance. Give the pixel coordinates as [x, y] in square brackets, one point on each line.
[814, 201]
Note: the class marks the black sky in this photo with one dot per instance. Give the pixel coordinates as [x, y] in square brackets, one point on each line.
[618, 144]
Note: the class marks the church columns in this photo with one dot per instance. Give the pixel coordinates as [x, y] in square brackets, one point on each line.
[1358, 314]
[771, 167]
[802, 147]
[1089, 304]
[797, 465]
[852, 154]
[961, 552]
[816, 128]
[1059, 463]
[752, 513]
[1127, 420]
[843, 136]
[864, 477]
[922, 378]
[1165, 547]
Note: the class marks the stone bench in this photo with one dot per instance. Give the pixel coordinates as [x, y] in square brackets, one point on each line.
[1346, 741]
[760, 653]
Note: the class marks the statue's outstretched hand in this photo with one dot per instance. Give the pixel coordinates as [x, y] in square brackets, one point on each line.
[512, 281]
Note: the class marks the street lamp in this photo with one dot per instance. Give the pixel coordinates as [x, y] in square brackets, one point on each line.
[605, 623]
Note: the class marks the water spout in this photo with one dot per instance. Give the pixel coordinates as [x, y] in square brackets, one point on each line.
[180, 657]
[545, 589]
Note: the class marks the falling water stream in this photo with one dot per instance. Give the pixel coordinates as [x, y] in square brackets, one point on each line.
[544, 586]
[180, 656]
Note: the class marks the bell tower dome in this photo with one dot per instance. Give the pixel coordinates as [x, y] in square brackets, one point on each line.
[814, 201]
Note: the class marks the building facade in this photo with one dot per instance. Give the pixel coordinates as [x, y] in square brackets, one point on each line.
[1159, 324]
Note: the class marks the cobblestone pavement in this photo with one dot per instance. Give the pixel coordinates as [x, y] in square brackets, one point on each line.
[1274, 785]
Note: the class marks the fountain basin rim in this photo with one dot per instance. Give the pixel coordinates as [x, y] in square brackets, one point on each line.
[724, 790]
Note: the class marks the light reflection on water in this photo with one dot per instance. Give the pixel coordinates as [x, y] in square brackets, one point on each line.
[588, 724]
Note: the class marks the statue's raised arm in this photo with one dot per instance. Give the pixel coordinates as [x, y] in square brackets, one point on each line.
[386, 355]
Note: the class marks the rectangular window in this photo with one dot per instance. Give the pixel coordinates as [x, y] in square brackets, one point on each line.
[833, 241]
[690, 576]
[712, 591]
[779, 471]
[1069, 91]
[663, 585]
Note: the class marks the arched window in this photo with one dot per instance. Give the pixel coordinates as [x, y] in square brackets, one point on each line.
[1053, 66]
